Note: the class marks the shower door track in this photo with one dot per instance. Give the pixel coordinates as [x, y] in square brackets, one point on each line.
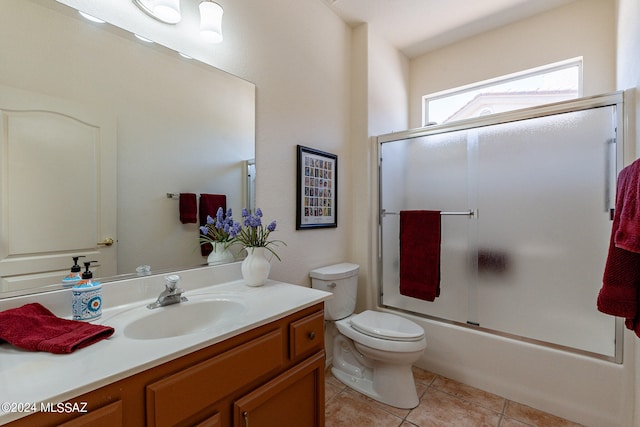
[617, 358]
[623, 153]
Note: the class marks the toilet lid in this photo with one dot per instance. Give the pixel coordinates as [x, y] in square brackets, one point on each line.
[387, 326]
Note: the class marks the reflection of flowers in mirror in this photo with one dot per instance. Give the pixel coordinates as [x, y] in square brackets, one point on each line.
[221, 229]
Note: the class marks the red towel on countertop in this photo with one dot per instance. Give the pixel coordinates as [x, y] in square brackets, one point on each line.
[188, 208]
[33, 327]
[209, 204]
[420, 254]
[619, 295]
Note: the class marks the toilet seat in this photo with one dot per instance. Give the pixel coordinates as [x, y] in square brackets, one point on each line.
[386, 326]
[345, 327]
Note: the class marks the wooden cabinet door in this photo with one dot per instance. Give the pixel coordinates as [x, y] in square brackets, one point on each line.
[293, 399]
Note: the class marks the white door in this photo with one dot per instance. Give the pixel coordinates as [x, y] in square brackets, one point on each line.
[58, 189]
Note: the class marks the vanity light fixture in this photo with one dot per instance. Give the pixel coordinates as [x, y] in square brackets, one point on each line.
[167, 11]
[211, 21]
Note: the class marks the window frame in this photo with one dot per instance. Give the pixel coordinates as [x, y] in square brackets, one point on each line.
[532, 72]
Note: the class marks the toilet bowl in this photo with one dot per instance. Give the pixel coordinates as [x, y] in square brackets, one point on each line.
[378, 366]
[373, 351]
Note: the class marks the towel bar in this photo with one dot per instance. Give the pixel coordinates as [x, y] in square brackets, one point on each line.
[470, 212]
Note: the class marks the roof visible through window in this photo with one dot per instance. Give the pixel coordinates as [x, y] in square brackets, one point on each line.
[543, 85]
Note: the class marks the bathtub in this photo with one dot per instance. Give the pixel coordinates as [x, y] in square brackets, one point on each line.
[580, 388]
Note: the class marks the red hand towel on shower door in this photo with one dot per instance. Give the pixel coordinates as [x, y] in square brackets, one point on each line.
[209, 204]
[420, 254]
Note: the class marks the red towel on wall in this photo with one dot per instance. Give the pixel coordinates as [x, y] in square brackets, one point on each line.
[209, 204]
[420, 254]
[33, 327]
[188, 208]
[619, 295]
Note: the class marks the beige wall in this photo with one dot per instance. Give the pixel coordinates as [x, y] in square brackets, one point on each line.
[298, 55]
[584, 28]
[379, 81]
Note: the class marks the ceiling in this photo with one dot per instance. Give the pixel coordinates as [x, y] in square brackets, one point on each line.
[418, 26]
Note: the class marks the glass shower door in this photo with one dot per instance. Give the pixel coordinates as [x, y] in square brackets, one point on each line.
[543, 191]
[528, 264]
[427, 173]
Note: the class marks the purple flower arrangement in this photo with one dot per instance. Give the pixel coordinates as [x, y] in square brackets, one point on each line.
[254, 234]
[251, 233]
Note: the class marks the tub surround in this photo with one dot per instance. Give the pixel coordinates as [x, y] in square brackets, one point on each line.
[63, 377]
[571, 386]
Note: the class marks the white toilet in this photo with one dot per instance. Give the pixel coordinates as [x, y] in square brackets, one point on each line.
[372, 351]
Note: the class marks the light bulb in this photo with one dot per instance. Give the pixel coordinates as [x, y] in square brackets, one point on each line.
[211, 21]
[167, 10]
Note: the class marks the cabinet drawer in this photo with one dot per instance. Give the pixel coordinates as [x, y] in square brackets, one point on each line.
[107, 416]
[186, 393]
[213, 421]
[306, 335]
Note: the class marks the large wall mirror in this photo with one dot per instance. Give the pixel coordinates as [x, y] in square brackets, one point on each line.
[176, 125]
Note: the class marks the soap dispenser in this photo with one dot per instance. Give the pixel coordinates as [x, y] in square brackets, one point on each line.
[87, 296]
[74, 276]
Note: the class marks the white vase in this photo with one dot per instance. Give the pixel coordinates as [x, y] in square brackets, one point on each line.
[219, 254]
[255, 267]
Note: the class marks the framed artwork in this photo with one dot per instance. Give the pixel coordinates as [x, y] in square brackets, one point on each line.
[317, 189]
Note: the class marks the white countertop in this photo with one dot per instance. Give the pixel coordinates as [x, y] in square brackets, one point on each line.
[39, 377]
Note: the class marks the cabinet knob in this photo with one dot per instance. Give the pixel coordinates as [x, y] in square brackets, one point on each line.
[312, 335]
[245, 414]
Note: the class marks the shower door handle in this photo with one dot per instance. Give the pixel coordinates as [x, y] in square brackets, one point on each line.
[610, 177]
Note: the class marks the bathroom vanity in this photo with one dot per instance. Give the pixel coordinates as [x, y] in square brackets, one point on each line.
[263, 367]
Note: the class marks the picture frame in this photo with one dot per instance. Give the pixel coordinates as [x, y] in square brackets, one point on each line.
[317, 189]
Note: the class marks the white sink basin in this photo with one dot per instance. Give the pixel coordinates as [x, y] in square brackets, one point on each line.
[189, 317]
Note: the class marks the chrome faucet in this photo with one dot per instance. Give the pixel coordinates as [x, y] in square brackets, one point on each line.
[172, 294]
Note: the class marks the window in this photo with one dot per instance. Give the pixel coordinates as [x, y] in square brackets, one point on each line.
[551, 83]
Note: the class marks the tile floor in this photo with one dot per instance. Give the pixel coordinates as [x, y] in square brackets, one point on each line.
[443, 402]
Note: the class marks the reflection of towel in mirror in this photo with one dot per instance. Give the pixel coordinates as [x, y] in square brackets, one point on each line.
[188, 208]
[420, 254]
[209, 204]
[33, 327]
[621, 281]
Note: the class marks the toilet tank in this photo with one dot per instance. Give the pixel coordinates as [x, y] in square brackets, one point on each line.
[342, 281]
